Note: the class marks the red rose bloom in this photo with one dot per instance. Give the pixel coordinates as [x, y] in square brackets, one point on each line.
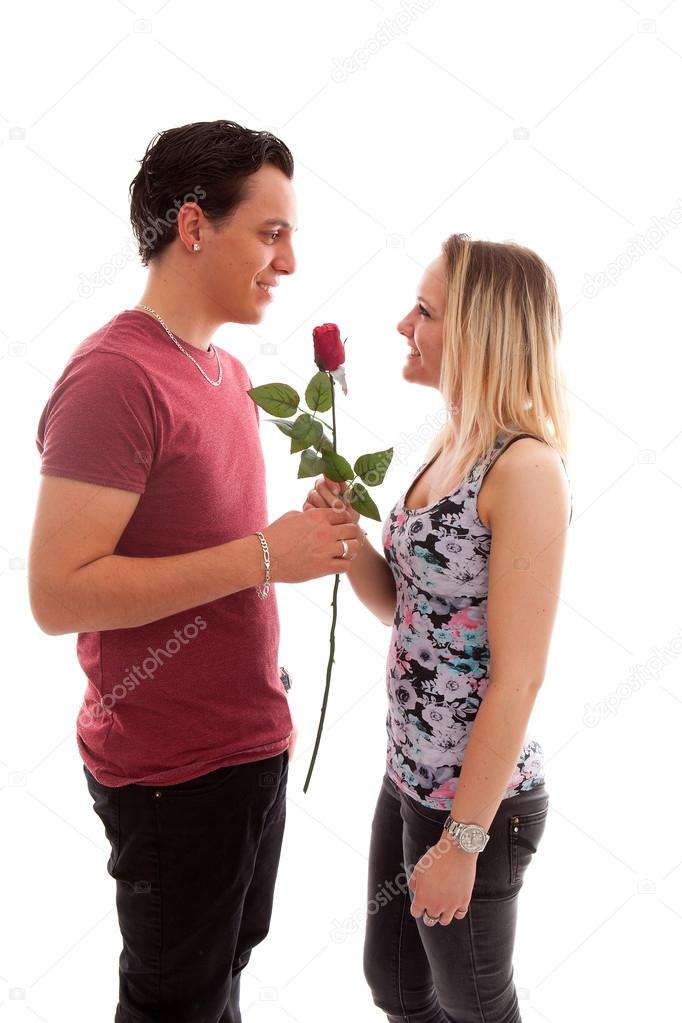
[329, 350]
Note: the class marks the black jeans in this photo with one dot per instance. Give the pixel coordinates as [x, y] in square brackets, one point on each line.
[195, 867]
[460, 973]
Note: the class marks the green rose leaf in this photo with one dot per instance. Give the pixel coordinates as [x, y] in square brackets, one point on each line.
[282, 424]
[336, 467]
[306, 433]
[318, 393]
[277, 399]
[311, 464]
[325, 444]
[372, 468]
[363, 503]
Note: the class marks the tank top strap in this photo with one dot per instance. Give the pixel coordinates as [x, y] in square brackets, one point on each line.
[503, 441]
[485, 464]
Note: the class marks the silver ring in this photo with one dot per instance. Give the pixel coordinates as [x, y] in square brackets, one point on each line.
[431, 920]
[345, 549]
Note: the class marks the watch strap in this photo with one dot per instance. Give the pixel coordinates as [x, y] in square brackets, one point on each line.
[454, 829]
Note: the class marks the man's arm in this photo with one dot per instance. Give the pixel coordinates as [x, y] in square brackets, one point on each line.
[76, 583]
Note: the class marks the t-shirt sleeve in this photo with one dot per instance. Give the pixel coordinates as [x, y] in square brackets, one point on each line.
[99, 424]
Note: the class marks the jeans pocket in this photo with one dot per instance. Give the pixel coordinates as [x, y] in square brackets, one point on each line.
[525, 832]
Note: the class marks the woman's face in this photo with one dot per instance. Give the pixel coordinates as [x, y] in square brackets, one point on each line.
[423, 327]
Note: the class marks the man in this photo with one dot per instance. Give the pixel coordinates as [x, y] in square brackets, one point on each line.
[150, 541]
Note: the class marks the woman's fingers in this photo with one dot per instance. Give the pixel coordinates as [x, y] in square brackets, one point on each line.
[328, 491]
[314, 500]
[323, 495]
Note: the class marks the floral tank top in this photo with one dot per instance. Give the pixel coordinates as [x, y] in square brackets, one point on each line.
[437, 668]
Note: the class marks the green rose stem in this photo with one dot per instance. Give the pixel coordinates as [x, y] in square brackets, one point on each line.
[332, 638]
[315, 416]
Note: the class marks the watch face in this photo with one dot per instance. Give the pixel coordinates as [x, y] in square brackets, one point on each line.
[472, 838]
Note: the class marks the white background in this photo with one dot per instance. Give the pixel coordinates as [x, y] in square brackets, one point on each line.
[553, 125]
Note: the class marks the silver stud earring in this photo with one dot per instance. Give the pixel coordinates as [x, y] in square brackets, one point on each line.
[195, 246]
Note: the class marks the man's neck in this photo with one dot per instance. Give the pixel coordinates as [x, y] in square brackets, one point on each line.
[175, 300]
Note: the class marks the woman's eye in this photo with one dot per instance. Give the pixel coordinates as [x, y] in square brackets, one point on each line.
[422, 311]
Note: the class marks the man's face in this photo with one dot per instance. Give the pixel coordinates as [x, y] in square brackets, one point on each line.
[423, 327]
[254, 248]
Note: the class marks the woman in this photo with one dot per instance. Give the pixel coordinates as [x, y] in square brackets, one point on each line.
[469, 581]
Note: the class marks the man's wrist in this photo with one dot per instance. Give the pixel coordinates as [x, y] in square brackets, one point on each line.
[261, 571]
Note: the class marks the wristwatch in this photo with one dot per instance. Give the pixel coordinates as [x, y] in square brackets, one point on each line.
[285, 679]
[471, 838]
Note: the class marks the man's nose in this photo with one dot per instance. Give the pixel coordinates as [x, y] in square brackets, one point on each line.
[286, 261]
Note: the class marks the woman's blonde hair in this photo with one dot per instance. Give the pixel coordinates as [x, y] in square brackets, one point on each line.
[500, 351]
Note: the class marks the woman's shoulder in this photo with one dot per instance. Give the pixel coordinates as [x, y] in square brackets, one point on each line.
[527, 451]
[526, 468]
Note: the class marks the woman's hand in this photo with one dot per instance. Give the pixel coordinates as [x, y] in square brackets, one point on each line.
[329, 494]
[442, 882]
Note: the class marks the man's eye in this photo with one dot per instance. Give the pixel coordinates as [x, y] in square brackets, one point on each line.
[274, 234]
[423, 312]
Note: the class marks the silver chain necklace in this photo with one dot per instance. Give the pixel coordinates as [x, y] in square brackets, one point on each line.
[213, 383]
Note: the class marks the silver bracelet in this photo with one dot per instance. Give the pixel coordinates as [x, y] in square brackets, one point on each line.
[265, 589]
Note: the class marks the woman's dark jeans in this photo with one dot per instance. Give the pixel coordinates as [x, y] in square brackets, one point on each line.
[460, 973]
[195, 866]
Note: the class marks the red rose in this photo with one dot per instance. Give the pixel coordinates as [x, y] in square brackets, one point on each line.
[329, 350]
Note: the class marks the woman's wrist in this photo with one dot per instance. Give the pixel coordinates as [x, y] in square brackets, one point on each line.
[360, 558]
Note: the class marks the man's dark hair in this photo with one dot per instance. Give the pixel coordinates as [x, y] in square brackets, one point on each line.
[207, 162]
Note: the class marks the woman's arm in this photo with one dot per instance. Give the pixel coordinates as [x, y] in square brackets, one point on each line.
[372, 580]
[528, 509]
[529, 513]
[369, 572]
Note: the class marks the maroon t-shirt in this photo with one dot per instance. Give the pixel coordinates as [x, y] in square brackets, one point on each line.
[174, 699]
